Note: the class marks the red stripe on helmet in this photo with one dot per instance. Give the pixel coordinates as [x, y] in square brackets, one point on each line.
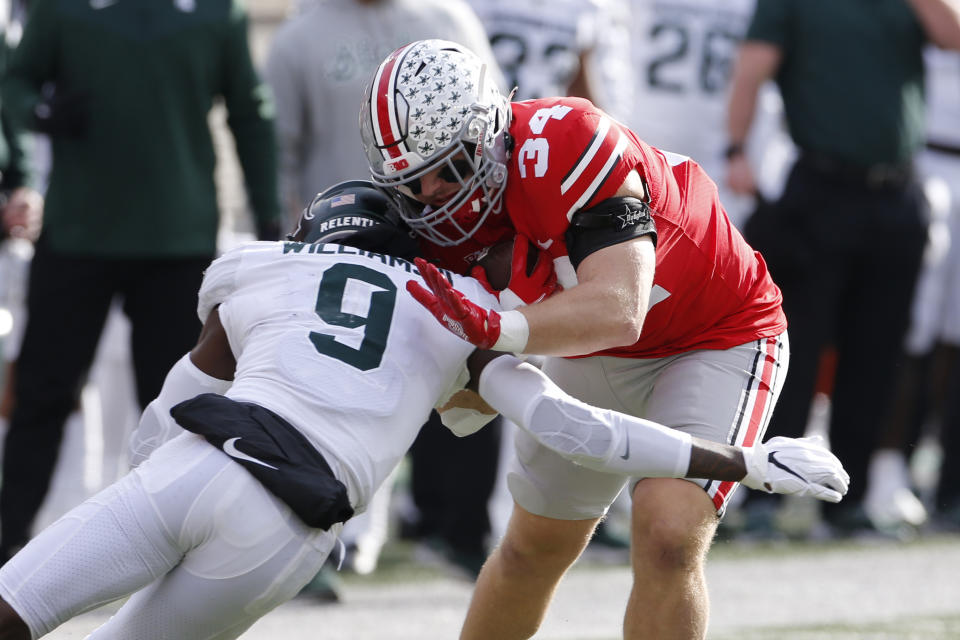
[384, 113]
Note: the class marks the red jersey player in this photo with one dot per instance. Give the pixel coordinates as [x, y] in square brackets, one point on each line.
[679, 315]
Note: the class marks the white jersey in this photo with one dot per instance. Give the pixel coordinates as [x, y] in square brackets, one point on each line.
[318, 64]
[683, 57]
[943, 96]
[327, 337]
[539, 45]
[936, 304]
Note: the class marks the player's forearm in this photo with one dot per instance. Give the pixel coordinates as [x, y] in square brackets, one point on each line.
[605, 309]
[940, 20]
[614, 442]
[582, 320]
[756, 63]
[595, 438]
[715, 461]
[599, 439]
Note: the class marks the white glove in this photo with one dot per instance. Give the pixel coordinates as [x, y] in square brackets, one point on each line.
[797, 466]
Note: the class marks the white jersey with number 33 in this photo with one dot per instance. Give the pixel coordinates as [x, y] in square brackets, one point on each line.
[540, 45]
[327, 337]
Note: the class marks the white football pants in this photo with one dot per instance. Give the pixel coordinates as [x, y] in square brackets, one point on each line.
[203, 547]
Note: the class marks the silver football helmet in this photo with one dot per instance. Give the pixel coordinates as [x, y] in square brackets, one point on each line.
[432, 104]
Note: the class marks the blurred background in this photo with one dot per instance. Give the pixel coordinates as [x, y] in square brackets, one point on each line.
[883, 568]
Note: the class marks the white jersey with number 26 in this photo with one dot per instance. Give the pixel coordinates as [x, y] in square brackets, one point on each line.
[683, 56]
[327, 337]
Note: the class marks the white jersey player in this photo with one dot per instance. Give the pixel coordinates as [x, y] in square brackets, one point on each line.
[935, 314]
[683, 56]
[335, 368]
[936, 311]
[562, 47]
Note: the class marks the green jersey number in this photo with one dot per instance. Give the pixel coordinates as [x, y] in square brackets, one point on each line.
[376, 324]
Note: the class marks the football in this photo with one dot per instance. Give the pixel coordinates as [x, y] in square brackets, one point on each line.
[496, 262]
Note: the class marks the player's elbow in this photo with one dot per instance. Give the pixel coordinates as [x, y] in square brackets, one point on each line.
[624, 321]
[626, 331]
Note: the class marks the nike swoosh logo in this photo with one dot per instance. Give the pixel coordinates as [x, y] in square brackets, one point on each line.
[626, 453]
[771, 458]
[230, 448]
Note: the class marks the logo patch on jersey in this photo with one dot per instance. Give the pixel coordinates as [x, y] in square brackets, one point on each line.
[230, 448]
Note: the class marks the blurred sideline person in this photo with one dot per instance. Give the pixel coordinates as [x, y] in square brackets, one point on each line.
[108, 399]
[683, 54]
[318, 62]
[926, 401]
[561, 48]
[853, 190]
[317, 65]
[21, 203]
[22, 179]
[678, 314]
[218, 526]
[131, 207]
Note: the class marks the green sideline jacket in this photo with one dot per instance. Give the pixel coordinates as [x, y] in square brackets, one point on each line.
[139, 181]
[15, 168]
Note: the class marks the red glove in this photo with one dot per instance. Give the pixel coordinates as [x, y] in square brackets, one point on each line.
[469, 321]
[527, 285]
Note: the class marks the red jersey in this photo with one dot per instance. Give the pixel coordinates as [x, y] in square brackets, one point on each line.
[710, 291]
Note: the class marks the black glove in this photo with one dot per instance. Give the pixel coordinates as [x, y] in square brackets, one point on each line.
[268, 229]
[64, 113]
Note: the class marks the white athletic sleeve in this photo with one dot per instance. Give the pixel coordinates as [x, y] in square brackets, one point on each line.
[219, 281]
[595, 438]
[183, 381]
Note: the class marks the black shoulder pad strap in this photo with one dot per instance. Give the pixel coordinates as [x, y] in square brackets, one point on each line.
[610, 222]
